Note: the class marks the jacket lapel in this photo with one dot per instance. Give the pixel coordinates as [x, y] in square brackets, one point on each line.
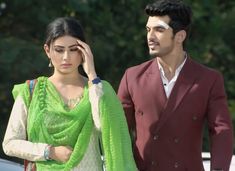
[156, 87]
[183, 84]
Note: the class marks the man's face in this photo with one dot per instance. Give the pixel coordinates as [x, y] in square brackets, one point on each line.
[160, 36]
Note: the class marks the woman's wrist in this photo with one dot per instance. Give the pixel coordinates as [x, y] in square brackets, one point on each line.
[92, 76]
[47, 152]
[94, 81]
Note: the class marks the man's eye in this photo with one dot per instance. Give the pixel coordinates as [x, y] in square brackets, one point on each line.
[160, 29]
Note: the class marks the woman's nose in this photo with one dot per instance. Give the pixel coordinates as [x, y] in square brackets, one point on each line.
[65, 55]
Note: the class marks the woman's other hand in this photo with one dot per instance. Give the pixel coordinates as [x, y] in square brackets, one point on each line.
[61, 153]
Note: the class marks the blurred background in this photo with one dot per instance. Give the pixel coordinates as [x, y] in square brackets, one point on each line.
[116, 32]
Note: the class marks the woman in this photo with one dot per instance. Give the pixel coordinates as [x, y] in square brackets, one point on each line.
[60, 124]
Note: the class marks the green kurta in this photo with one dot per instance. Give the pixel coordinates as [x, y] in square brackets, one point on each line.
[50, 121]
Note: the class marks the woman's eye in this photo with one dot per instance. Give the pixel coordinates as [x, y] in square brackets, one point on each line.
[59, 50]
[74, 49]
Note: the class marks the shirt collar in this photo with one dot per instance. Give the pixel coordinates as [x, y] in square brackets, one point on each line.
[178, 69]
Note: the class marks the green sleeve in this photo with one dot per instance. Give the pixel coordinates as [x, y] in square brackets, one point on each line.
[114, 130]
[23, 91]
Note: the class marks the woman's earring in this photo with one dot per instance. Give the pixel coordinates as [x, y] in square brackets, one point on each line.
[50, 64]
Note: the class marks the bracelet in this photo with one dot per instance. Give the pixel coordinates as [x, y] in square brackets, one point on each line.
[47, 152]
[94, 81]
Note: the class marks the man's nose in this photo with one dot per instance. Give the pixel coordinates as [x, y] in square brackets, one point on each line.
[151, 35]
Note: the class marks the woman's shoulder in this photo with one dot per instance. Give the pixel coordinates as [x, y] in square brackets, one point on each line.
[18, 89]
[106, 84]
[23, 88]
[107, 87]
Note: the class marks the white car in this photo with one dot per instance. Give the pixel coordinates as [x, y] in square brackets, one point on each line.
[6, 165]
[206, 161]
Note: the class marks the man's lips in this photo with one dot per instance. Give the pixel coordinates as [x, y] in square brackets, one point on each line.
[153, 44]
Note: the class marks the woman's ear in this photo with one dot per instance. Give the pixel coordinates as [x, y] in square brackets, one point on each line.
[180, 36]
[47, 50]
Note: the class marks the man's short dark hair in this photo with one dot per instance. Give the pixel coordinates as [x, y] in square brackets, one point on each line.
[180, 14]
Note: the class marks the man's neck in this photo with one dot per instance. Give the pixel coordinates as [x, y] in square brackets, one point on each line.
[171, 62]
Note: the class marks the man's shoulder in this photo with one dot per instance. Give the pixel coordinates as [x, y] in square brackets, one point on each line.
[140, 68]
[203, 70]
[203, 67]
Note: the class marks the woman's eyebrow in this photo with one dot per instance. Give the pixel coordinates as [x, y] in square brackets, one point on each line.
[59, 46]
[73, 45]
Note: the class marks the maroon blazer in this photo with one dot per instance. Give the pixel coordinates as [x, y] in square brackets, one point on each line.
[167, 133]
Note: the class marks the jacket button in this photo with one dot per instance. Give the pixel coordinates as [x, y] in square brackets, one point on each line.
[176, 140]
[141, 113]
[153, 163]
[194, 118]
[176, 165]
[155, 137]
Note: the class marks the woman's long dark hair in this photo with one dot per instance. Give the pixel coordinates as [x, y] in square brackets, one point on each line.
[65, 26]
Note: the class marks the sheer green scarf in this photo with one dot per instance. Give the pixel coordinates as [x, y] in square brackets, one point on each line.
[49, 121]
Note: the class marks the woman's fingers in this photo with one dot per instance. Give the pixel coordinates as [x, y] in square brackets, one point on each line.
[83, 45]
[61, 153]
[83, 53]
[85, 49]
[88, 63]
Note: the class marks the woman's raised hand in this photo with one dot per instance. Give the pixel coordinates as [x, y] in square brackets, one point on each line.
[88, 61]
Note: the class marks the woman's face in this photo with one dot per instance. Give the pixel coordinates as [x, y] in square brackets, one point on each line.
[64, 54]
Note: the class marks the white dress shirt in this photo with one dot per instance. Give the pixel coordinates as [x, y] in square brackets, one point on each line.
[168, 85]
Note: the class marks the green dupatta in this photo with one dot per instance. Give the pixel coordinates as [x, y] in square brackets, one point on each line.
[49, 121]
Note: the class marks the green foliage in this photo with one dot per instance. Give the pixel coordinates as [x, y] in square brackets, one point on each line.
[116, 33]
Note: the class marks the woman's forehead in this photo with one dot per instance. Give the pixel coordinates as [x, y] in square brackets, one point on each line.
[65, 41]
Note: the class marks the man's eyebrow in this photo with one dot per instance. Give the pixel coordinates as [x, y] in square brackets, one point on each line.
[157, 27]
[159, 24]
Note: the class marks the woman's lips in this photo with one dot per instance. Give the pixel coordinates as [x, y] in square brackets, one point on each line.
[66, 65]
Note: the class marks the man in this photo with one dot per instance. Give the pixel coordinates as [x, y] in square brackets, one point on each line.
[168, 99]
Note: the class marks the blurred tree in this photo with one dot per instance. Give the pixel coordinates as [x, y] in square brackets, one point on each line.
[116, 33]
